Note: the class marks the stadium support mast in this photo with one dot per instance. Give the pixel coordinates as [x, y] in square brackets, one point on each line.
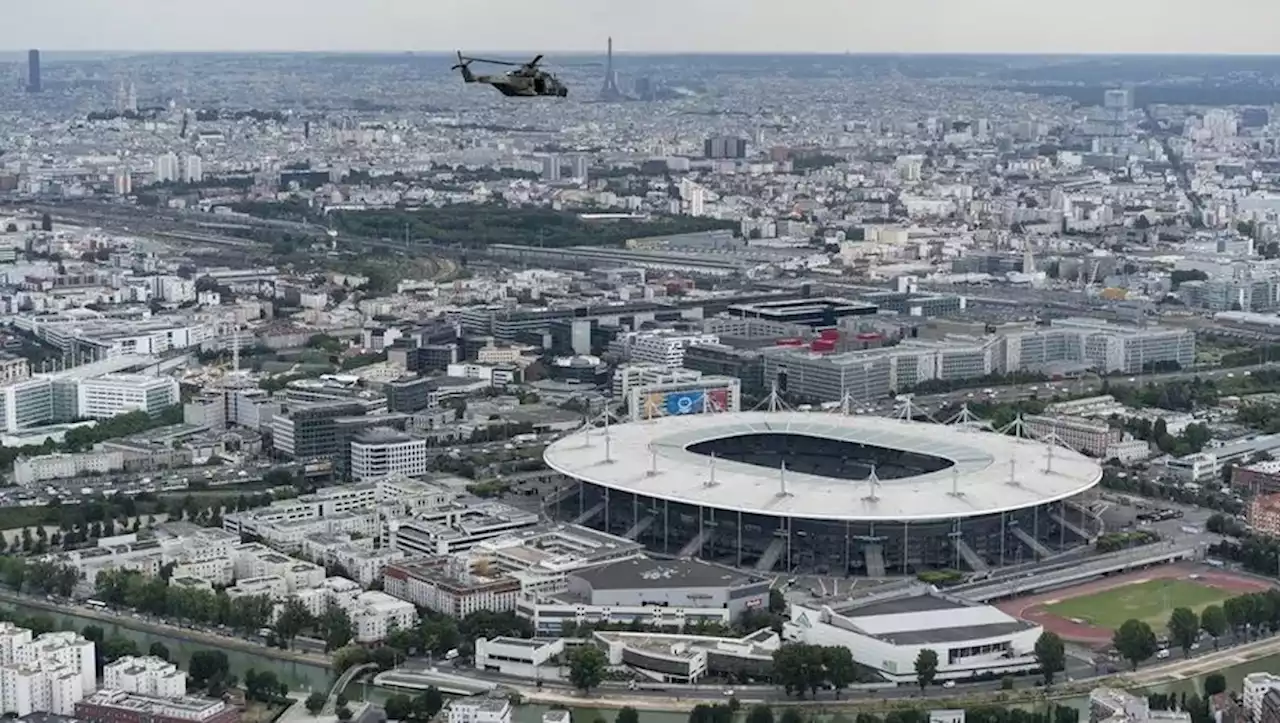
[1013, 472]
[782, 480]
[874, 481]
[653, 461]
[955, 483]
[711, 472]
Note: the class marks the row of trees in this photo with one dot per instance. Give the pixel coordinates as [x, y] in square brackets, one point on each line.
[727, 713]
[153, 595]
[799, 668]
[1135, 641]
[1255, 553]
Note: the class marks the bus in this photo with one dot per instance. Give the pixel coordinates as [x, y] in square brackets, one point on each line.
[96, 604]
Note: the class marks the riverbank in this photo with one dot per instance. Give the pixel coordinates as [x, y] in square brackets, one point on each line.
[174, 631]
[1178, 670]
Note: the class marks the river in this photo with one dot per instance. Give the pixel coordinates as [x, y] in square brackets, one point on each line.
[308, 677]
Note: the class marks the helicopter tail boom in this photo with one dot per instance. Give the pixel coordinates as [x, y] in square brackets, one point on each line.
[464, 64]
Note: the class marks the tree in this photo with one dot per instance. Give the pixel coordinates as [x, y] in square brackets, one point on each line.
[337, 627]
[427, 703]
[628, 715]
[1135, 641]
[1051, 654]
[46, 222]
[760, 714]
[315, 703]
[293, 619]
[586, 667]
[159, 650]
[1184, 628]
[94, 633]
[839, 667]
[791, 715]
[926, 667]
[207, 666]
[343, 713]
[398, 707]
[1214, 683]
[1214, 622]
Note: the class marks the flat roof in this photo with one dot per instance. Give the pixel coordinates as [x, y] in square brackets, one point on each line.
[982, 466]
[648, 573]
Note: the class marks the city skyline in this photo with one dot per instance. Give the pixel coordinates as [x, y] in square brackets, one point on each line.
[661, 26]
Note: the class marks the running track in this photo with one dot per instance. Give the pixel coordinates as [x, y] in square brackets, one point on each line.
[1032, 607]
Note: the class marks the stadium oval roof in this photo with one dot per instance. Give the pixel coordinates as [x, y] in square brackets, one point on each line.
[982, 463]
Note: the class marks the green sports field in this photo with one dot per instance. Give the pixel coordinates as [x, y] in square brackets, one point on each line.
[1151, 601]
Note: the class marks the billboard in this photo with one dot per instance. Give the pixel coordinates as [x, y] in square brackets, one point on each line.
[718, 394]
[690, 402]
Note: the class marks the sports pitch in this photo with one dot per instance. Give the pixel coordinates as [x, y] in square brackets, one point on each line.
[1151, 601]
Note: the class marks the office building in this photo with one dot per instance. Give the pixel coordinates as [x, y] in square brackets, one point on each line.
[34, 82]
[1270, 711]
[1093, 437]
[724, 147]
[454, 528]
[112, 394]
[816, 313]
[309, 431]
[381, 452]
[408, 394]
[723, 360]
[662, 348]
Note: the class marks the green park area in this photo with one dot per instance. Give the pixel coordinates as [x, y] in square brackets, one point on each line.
[1151, 602]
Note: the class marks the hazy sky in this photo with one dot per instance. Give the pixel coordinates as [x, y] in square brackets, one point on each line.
[1181, 26]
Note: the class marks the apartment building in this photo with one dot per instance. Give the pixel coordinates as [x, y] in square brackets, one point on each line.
[44, 674]
[145, 676]
[455, 527]
[1092, 437]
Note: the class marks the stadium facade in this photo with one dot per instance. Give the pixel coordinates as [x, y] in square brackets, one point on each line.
[828, 493]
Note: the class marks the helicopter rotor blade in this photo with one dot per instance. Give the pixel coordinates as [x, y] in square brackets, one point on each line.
[490, 62]
[537, 59]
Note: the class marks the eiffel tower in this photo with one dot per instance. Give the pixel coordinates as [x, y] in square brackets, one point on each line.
[611, 92]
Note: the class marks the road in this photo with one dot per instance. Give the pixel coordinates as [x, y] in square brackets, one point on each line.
[136, 622]
[1085, 385]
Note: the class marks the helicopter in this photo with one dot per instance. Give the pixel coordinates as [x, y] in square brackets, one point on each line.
[526, 81]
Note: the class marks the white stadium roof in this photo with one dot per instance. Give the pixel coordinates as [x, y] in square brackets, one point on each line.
[981, 470]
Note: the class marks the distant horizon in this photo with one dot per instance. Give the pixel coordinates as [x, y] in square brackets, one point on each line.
[659, 53]
[681, 27]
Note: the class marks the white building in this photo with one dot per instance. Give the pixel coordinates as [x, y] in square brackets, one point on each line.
[1256, 686]
[193, 169]
[145, 676]
[381, 452]
[665, 348]
[478, 710]
[888, 635]
[373, 613]
[166, 167]
[48, 674]
[113, 394]
[517, 656]
[30, 470]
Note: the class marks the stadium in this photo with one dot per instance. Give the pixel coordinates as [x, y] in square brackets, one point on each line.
[828, 493]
